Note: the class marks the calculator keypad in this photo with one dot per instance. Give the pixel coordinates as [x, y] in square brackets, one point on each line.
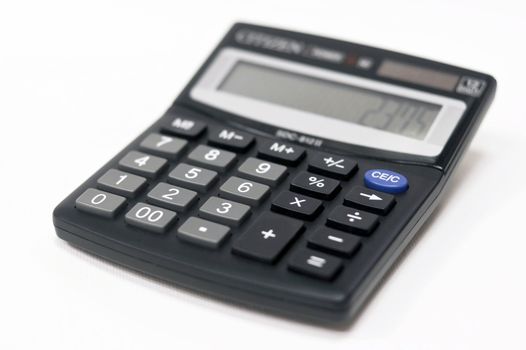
[143, 164]
[229, 195]
[122, 183]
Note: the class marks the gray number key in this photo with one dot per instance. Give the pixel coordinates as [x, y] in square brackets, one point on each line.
[142, 163]
[150, 217]
[167, 146]
[203, 232]
[211, 157]
[257, 169]
[224, 211]
[244, 190]
[193, 177]
[122, 183]
[100, 202]
[172, 197]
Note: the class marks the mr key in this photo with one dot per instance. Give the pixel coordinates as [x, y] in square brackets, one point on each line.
[208, 197]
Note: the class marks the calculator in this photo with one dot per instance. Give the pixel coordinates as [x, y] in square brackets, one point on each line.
[288, 176]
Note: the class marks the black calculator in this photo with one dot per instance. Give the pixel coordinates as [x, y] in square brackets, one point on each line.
[289, 175]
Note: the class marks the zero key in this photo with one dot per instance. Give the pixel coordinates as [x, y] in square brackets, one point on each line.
[100, 203]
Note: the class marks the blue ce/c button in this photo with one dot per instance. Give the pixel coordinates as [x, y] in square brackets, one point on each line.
[386, 181]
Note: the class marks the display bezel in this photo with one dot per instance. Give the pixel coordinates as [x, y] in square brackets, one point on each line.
[206, 91]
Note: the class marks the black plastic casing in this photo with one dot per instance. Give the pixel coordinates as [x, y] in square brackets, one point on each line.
[273, 287]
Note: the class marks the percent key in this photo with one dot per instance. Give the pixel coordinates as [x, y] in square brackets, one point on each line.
[315, 185]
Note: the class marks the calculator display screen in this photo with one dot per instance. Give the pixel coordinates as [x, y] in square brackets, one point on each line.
[395, 114]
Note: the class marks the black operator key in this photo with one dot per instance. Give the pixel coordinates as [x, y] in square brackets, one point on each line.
[315, 185]
[268, 237]
[315, 264]
[352, 220]
[184, 126]
[230, 139]
[281, 152]
[334, 242]
[333, 165]
[365, 198]
[297, 205]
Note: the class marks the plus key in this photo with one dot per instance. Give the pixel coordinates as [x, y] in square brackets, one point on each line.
[268, 238]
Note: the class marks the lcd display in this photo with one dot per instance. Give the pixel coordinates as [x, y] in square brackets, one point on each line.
[399, 115]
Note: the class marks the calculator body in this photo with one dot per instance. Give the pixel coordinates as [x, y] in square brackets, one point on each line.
[260, 200]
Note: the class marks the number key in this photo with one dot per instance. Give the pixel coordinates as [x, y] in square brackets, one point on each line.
[167, 146]
[172, 197]
[121, 183]
[142, 163]
[212, 157]
[150, 218]
[261, 170]
[196, 178]
[244, 190]
[224, 211]
[99, 203]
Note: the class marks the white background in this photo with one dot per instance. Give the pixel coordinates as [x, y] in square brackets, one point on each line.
[78, 81]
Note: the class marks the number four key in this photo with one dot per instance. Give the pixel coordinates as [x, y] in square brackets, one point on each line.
[142, 163]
